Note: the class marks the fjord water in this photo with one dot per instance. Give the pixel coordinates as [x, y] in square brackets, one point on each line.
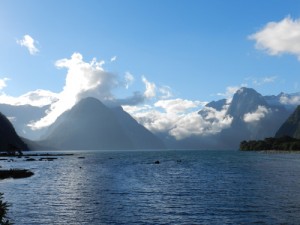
[186, 187]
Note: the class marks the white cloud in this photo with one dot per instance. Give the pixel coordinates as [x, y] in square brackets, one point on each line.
[114, 58]
[3, 82]
[290, 100]
[231, 90]
[260, 113]
[83, 80]
[180, 118]
[129, 79]
[193, 124]
[29, 43]
[166, 92]
[37, 98]
[279, 37]
[150, 91]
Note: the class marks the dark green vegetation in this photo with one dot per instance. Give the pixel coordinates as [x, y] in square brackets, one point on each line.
[9, 140]
[285, 143]
[291, 127]
[3, 211]
[287, 137]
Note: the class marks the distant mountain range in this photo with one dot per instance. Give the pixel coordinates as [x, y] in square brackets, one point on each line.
[9, 140]
[253, 117]
[92, 125]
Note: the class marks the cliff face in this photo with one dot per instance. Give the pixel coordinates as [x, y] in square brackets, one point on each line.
[291, 127]
[9, 140]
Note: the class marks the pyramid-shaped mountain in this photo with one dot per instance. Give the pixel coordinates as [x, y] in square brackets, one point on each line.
[291, 127]
[92, 125]
[9, 140]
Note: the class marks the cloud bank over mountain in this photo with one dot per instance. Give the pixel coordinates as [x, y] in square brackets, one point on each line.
[180, 118]
[155, 107]
[90, 79]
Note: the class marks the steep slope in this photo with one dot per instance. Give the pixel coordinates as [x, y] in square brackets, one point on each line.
[9, 140]
[138, 134]
[291, 127]
[21, 116]
[88, 125]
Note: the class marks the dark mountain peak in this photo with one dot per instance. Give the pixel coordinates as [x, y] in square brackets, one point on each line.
[244, 91]
[9, 140]
[245, 100]
[89, 107]
[217, 105]
[291, 127]
[89, 102]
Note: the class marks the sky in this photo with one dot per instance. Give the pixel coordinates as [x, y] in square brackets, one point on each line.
[146, 53]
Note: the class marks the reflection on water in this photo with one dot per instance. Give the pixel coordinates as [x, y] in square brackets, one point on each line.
[187, 187]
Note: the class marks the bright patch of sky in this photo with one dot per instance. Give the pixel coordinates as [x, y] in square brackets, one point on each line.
[168, 55]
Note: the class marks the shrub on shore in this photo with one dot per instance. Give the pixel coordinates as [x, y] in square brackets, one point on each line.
[3, 211]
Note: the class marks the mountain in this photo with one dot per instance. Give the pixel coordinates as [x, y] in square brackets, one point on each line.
[245, 100]
[218, 105]
[92, 125]
[21, 115]
[88, 125]
[138, 134]
[291, 127]
[9, 140]
[253, 117]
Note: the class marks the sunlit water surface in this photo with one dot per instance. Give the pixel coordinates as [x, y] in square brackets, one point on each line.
[187, 187]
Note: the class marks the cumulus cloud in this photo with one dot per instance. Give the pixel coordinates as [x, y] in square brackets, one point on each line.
[279, 37]
[89, 79]
[260, 113]
[29, 43]
[177, 105]
[180, 118]
[290, 100]
[83, 79]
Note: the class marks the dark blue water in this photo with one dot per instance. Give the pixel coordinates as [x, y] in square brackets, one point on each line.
[187, 187]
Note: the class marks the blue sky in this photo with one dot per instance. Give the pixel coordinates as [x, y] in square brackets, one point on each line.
[196, 48]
